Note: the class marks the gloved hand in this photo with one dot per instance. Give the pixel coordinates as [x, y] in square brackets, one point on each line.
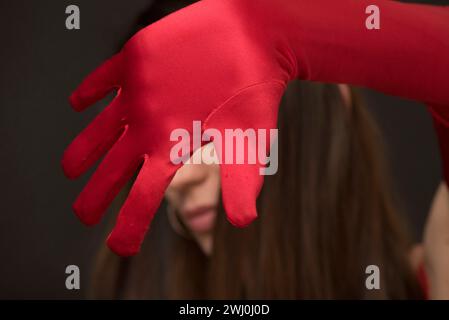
[197, 64]
[226, 63]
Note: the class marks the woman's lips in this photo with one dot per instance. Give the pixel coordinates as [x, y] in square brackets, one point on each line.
[200, 219]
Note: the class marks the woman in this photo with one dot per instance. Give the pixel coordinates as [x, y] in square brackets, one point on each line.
[324, 217]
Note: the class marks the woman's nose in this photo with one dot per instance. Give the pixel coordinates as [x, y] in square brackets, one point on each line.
[187, 176]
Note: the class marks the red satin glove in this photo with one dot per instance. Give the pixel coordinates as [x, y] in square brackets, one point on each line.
[226, 63]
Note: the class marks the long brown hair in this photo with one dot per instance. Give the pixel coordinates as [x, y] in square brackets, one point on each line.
[325, 216]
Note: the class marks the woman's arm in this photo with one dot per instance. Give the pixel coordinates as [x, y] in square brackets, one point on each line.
[430, 260]
[436, 245]
[408, 56]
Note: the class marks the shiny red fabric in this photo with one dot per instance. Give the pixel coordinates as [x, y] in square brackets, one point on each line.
[226, 63]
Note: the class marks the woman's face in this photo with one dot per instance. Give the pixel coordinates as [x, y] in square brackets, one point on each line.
[194, 194]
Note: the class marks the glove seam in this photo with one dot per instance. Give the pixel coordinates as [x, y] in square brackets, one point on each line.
[438, 117]
[244, 89]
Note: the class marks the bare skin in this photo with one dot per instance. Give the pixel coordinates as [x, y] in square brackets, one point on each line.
[434, 252]
[194, 194]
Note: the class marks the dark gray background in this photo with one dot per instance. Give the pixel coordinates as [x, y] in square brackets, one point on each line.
[41, 62]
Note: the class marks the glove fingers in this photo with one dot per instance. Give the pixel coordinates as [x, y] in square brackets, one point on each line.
[93, 141]
[97, 84]
[242, 181]
[143, 201]
[113, 172]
